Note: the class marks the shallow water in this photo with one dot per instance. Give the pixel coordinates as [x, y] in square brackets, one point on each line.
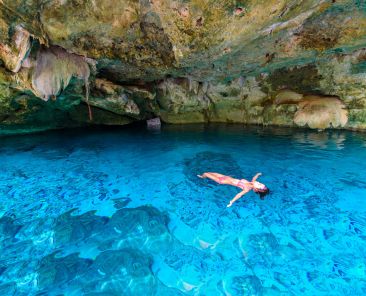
[122, 213]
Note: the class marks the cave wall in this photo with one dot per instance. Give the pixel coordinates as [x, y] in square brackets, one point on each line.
[288, 63]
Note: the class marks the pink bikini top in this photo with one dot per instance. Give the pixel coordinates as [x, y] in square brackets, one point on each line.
[243, 184]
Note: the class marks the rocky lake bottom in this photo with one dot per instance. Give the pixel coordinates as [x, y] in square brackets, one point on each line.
[122, 212]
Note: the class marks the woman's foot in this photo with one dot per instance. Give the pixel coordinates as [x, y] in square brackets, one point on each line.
[230, 204]
[201, 176]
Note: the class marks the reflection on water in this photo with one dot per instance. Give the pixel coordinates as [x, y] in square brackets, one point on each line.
[122, 213]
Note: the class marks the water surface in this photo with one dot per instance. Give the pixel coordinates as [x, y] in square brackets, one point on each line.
[121, 212]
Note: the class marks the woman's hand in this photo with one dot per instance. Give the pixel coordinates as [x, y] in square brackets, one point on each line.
[256, 177]
[239, 195]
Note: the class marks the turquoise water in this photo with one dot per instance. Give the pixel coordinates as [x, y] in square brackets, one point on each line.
[121, 212]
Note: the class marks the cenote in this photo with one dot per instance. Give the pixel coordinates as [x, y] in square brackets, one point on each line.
[123, 123]
[122, 212]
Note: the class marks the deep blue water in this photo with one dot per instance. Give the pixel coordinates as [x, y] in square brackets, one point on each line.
[121, 212]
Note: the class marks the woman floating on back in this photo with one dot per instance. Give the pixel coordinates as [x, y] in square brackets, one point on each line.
[243, 184]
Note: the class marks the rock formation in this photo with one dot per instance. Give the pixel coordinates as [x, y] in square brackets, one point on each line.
[274, 62]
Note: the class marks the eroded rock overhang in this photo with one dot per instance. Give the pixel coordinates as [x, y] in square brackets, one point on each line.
[184, 61]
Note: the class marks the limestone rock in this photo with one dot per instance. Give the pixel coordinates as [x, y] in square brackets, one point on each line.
[180, 105]
[253, 62]
[54, 68]
[321, 112]
[108, 87]
[288, 97]
[15, 53]
[116, 104]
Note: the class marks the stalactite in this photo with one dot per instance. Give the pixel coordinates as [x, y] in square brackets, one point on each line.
[190, 82]
[241, 81]
[87, 90]
[54, 69]
[205, 86]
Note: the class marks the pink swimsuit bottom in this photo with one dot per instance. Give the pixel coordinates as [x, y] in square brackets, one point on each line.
[243, 184]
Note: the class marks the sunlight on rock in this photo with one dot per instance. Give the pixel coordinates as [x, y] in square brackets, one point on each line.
[321, 112]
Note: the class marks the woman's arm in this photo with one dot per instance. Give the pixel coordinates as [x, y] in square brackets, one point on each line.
[239, 195]
[256, 177]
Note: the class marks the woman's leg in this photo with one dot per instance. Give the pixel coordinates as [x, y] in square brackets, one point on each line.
[219, 178]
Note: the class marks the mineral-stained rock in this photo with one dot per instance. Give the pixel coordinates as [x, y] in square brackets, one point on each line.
[184, 61]
[15, 53]
[179, 104]
[115, 99]
[288, 96]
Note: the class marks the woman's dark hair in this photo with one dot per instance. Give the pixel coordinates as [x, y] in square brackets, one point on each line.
[263, 193]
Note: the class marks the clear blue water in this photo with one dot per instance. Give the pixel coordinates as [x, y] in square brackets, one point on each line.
[122, 212]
